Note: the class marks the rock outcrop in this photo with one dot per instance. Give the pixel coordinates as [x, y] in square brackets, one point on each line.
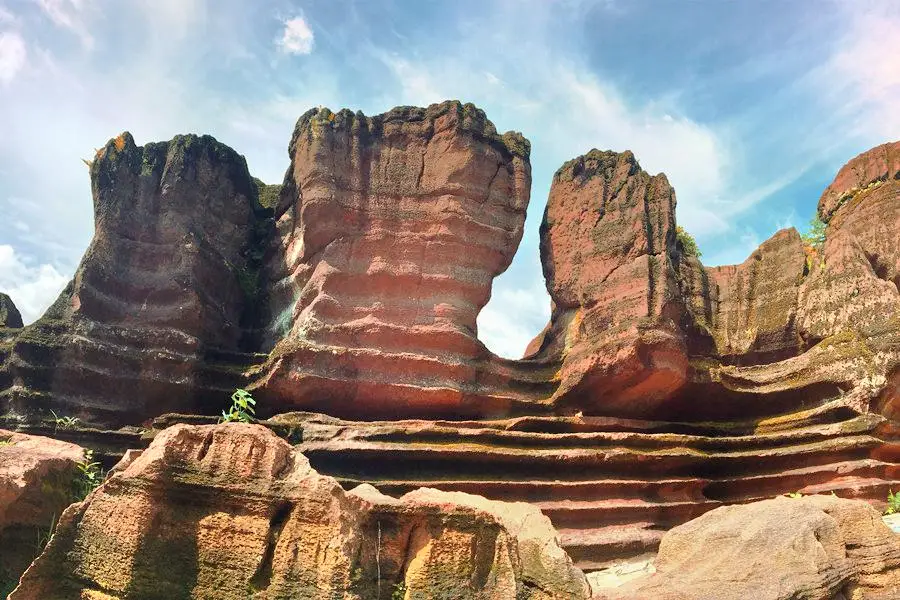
[36, 485]
[607, 243]
[391, 230]
[660, 388]
[780, 549]
[232, 511]
[9, 314]
[875, 166]
[159, 299]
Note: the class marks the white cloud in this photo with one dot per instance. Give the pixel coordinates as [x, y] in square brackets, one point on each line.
[12, 55]
[32, 287]
[69, 14]
[297, 38]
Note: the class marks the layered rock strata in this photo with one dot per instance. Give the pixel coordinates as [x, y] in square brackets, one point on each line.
[660, 388]
[391, 230]
[612, 487]
[159, 298]
[232, 511]
[36, 485]
[607, 245]
[781, 549]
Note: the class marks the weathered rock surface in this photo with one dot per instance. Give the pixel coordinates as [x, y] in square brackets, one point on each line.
[392, 229]
[36, 476]
[607, 243]
[9, 314]
[232, 511]
[870, 168]
[642, 328]
[159, 296]
[818, 547]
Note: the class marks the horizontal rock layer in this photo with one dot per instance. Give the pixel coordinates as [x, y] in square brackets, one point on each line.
[612, 487]
[391, 230]
[353, 290]
[231, 511]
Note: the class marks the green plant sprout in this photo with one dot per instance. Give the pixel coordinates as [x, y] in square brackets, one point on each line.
[89, 477]
[64, 422]
[241, 410]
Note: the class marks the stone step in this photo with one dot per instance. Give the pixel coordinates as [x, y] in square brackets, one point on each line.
[594, 549]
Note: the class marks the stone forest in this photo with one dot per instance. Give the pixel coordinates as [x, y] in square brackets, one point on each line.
[676, 431]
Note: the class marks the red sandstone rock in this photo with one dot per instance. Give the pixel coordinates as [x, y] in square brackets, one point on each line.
[231, 511]
[392, 229]
[607, 242]
[746, 314]
[611, 486]
[686, 387]
[36, 475]
[879, 164]
[781, 549]
[159, 295]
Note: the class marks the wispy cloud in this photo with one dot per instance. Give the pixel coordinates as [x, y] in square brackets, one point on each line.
[861, 81]
[297, 37]
[69, 14]
[13, 55]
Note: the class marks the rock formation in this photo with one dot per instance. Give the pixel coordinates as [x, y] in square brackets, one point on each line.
[607, 246]
[159, 298]
[36, 484]
[660, 388]
[9, 314]
[232, 511]
[391, 230]
[780, 549]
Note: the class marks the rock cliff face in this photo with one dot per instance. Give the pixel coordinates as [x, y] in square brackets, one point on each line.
[9, 314]
[878, 165]
[231, 511]
[159, 296]
[607, 243]
[391, 230]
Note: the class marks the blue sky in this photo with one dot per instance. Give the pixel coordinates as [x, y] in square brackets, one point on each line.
[749, 107]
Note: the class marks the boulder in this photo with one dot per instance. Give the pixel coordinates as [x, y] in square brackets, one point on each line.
[232, 511]
[9, 314]
[815, 547]
[36, 485]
